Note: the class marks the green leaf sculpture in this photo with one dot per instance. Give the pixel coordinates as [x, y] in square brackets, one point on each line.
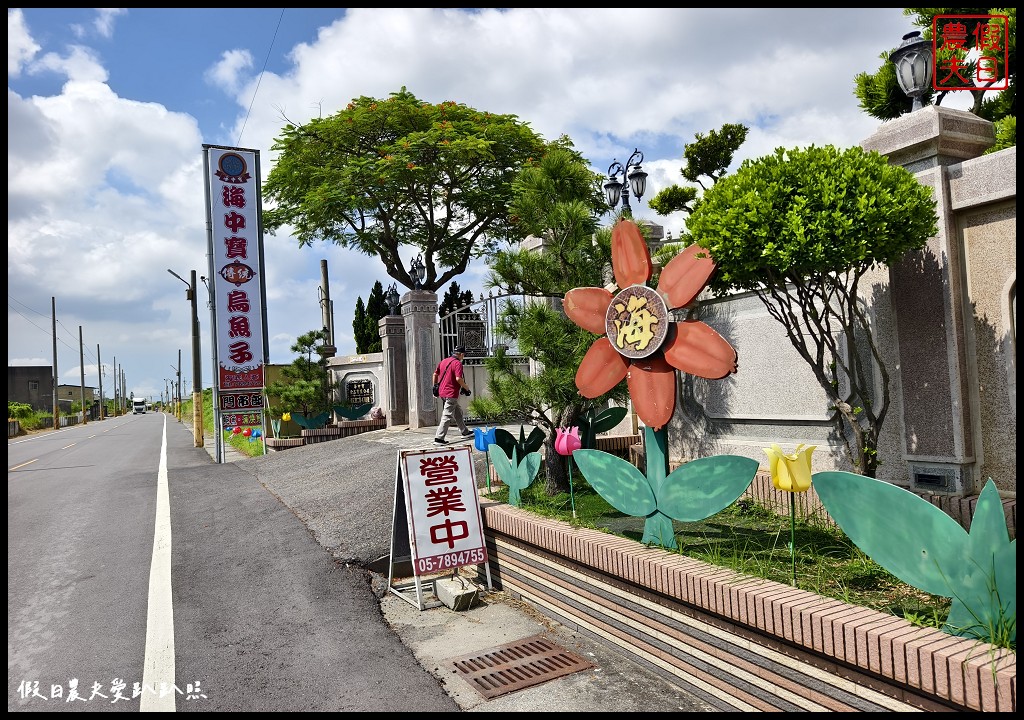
[593, 422]
[691, 492]
[516, 474]
[353, 413]
[313, 422]
[924, 547]
[524, 446]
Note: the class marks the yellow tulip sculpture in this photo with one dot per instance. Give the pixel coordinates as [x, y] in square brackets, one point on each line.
[791, 473]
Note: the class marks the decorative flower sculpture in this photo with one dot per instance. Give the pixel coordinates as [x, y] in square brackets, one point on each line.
[791, 473]
[924, 547]
[639, 342]
[567, 441]
[483, 438]
[286, 416]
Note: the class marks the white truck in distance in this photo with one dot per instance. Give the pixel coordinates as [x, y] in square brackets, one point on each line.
[138, 406]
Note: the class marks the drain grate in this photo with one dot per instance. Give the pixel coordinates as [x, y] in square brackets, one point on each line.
[519, 665]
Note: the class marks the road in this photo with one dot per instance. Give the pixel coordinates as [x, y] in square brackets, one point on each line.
[102, 516]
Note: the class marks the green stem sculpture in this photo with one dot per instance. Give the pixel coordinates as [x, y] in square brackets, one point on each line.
[572, 501]
[792, 536]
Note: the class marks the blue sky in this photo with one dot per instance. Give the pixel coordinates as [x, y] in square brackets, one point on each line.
[108, 110]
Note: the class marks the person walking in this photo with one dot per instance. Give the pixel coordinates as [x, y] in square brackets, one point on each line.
[450, 383]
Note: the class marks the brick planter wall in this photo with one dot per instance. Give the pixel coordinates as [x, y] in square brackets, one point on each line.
[739, 642]
[278, 444]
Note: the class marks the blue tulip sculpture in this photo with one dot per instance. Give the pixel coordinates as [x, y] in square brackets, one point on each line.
[483, 438]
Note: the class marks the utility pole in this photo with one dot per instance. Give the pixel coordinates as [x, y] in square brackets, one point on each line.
[81, 364]
[197, 367]
[99, 374]
[113, 369]
[56, 377]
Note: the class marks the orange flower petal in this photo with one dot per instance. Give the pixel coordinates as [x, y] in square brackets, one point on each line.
[602, 369]
[685, 276]
[693, 347]
[652, 385]
[631, 260]
[587, 307]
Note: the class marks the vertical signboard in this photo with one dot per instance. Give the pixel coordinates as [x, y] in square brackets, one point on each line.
[436, 492]
[238, 285]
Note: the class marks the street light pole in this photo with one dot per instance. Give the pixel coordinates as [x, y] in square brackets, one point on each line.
[635, 178]
[197, 366]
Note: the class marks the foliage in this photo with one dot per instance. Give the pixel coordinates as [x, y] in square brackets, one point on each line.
[880, 95]
[707, 156]
[382, 174]
[360, 326]
[376, 309]
[306, 386]
[559, 200]
[454, 299]
[366, 320]
[19, 411]
[800, 229]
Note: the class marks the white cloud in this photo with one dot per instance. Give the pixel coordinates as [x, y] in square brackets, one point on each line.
[21, 48]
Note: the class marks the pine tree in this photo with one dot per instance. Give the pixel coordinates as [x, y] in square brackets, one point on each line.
[359, 327]
[376, 308]
[454, 299]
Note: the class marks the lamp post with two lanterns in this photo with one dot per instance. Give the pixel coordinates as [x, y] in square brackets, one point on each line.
[635, 179]
[417, 271]
[392, 299]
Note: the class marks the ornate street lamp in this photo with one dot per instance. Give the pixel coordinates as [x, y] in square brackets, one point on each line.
[913, 61]
[637, 178]
[392, 299]
[417, 271]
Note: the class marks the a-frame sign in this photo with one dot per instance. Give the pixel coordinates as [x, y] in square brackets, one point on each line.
[437, 525]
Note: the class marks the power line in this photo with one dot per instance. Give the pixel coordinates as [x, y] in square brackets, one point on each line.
[74, 348]
[260, 79]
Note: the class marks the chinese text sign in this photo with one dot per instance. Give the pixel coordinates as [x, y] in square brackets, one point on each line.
[445, 529]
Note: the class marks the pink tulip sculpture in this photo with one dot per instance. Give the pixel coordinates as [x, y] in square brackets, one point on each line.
[567, 441]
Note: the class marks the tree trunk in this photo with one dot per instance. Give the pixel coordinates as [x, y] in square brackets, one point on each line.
[556, 469]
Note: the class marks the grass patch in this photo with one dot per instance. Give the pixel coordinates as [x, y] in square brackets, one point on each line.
[753, 540]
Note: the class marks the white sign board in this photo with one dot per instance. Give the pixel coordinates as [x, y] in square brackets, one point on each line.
[436, 492]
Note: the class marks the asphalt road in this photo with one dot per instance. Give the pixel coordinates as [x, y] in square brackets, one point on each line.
[279, 584]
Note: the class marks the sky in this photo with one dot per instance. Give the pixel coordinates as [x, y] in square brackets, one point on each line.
[108, 110]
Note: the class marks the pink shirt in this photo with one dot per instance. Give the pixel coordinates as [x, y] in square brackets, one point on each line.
[449, 369]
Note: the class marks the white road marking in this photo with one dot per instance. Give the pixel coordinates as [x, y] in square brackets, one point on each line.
[158, 671]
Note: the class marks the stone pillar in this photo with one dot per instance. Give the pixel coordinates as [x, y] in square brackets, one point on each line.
[929, 302]
[395, 394]
[422, 347]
